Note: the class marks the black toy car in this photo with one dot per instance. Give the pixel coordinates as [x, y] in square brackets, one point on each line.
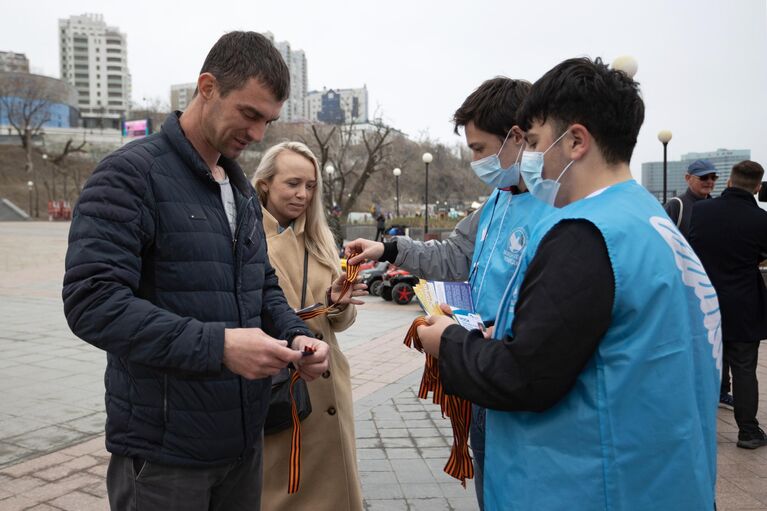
[398, 286]
[373, 277]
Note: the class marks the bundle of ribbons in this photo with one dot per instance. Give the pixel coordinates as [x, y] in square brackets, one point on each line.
[294, 474]
[457, 409]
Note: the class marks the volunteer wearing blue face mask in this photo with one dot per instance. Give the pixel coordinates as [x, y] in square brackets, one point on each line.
[485, 248]
[603, 385]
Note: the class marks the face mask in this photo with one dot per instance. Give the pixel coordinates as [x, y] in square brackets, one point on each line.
[489, 169]
[531, 168]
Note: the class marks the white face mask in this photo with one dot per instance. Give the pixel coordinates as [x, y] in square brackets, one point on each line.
[490, 171]
[531, 168]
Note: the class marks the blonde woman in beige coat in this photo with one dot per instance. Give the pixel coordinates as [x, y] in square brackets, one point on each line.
[289, 186]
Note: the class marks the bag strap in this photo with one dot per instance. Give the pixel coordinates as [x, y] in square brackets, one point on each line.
[681, 211]
[306, 269]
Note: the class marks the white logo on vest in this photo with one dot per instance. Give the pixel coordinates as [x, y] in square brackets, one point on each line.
[694, 276]
[517, 241]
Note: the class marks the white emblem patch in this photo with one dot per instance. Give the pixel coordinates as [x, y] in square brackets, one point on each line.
[517, 242]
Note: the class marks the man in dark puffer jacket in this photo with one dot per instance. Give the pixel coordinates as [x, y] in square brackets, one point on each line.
[167, 271]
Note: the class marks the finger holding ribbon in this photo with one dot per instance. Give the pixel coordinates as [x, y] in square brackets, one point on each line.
[337, 295]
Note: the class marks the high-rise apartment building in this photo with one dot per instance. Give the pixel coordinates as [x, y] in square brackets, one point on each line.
[181, 95]
[723, 160]
[94, 58]
[293, 110]
[338, 106]
[11, 62]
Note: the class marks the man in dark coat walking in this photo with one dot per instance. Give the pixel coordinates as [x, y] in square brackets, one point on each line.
[729, 234]
[167, 271]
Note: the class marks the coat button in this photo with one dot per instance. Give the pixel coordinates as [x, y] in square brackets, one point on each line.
[331, 411]
[326, 374]
[318, 336]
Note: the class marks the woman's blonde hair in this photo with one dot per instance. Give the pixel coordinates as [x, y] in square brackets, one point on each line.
[318, 238]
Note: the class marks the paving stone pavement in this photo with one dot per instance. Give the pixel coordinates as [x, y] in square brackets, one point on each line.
[52, 453]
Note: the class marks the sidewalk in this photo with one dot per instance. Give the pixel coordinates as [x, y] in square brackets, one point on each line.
[51, 390]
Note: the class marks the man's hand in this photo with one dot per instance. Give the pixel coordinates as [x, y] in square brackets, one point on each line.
[253, 354]
[311, 366]
[431, 334]
[359, 289]
[367, 249]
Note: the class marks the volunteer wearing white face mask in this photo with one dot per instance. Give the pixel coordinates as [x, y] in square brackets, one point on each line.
[486, 247]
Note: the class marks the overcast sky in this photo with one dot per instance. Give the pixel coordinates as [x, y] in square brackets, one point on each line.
[702, 63]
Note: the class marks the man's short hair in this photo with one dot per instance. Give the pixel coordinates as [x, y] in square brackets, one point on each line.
[746, 175]
[239, 56]
[606, 101]
[493, 106]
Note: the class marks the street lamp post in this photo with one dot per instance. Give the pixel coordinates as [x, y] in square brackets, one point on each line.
[30, 185]
[664, 136]
[330, 169]
[427, 158]
[397, 172]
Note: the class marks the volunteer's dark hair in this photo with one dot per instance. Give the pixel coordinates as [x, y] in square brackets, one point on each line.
[493, 106]
[239, 56]
[607, 102]
[746, 175]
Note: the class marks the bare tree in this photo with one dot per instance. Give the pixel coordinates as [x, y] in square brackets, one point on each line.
[26, 103]
[59, 168]
[356, 153]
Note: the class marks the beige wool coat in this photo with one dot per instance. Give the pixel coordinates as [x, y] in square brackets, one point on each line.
[329, 478]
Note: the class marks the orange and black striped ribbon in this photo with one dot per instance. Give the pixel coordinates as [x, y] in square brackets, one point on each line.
[352, 272]
[294, 468]
[457, 409]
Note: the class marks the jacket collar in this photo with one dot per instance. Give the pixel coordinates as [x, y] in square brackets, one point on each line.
[272, 227]
[171, 128]
[739, 193]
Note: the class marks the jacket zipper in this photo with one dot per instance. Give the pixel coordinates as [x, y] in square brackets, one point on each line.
[241, 213]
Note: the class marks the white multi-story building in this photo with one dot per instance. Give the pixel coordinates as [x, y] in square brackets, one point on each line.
[722, 159]
[13, 62]
[293, 110]
[338, 106]
[181, 95]
[94, 58]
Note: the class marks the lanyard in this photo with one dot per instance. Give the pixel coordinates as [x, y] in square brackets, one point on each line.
[495, 243]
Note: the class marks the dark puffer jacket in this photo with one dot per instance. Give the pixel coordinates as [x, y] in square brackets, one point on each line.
[153, 276]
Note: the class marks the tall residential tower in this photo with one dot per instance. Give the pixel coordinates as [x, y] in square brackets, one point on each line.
[94, 58]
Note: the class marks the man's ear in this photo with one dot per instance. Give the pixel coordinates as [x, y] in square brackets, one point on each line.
[517, 134]
[577, 142]
[206, 85]
[758, 188]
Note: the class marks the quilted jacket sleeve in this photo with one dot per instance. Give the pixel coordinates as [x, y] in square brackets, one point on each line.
[113, 223]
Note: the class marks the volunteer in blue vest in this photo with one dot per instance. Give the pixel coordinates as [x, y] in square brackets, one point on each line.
[602, 381]
[501, 227]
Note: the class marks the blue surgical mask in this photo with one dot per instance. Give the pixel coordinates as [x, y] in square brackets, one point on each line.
[531, 168]
[490, 171]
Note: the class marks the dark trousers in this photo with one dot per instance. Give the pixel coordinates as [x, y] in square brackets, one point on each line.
[139, 485]
[477, 438]
[725, 388]
[742, 358]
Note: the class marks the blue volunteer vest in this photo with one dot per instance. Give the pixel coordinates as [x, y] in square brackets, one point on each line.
[638, 429]
[504, 228]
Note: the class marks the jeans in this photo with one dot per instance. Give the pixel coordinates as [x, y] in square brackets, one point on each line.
[139, 485]
[477, 438]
